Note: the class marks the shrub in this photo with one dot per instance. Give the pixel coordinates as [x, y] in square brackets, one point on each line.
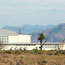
[8, 51]
[17, 52]
[34, 51]
[42, 62]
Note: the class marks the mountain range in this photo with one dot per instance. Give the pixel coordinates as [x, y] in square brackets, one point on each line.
[52, 32]
[55, 34]
[28, 29]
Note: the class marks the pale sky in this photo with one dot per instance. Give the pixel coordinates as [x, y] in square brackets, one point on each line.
[43, 12]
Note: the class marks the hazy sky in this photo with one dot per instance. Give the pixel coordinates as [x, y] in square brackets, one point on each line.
[43, 12]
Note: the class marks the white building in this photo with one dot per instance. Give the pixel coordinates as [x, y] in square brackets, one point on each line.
[12, 40]
[7, 36]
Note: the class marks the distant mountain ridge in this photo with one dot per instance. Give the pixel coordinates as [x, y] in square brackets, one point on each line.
[55, 34]
[28, 29]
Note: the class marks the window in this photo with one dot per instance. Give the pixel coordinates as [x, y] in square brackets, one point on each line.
[4, 38]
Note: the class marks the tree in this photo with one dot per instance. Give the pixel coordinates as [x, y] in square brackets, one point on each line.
[41, 37]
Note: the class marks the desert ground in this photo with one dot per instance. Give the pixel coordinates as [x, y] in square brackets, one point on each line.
[31, 58]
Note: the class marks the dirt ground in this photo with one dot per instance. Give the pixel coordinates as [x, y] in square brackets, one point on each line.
[31, 59]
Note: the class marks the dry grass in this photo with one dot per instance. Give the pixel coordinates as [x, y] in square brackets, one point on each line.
[28, 58]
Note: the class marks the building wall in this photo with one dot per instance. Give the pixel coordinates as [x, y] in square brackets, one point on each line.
[62, 47]
[33, 46]
[48, 47]
[24, 38]
[16, 39]
[18, 47]
[4, 39]
[13, 39]
[19, 39]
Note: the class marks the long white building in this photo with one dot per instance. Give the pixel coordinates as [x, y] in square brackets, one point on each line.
[7, 36]
[12, 40]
